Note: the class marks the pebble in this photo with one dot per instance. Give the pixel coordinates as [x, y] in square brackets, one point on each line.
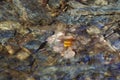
[86, 59]
[33, 45]
[10, 50]
[93, 30]
[23, 54]
[101, 2]
[69, 53]
[5, 35]
[116, 44]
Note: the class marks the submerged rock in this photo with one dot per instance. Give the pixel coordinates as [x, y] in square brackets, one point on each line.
[9, 25]
[116, 44]
[33, 45]
[31, 11]
[7, 12]
[5, 35]
[23, 54]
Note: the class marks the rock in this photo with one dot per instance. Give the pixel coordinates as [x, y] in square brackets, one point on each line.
[10, 50]
[50, 61]
[75, 4]
[113, 37]
[54, 4]
[93, 30]
[43, 38]
[7, 12]
[33, 45]
[58, 48]
[23, 54]
[9, 25]
[87, 13]
[69, 53]
[116, 44]
[55, 39]
[86, 59]
[101, 2]
[5, 35]
[31, 11]
[85, 33]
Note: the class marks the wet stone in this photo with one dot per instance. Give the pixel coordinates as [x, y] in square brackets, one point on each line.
[10, 50]
[54, 4]
[31, 13]
[7, 12]
[5, 35]
[44, 36]
[86, 59]
[9, 25]
[116, 44]
[33, 45]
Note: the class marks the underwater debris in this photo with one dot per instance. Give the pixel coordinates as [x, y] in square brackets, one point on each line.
[68, 41]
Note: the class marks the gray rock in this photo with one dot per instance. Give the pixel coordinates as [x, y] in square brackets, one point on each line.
[5, 35]
[116, 44]
[33, 45]
[7, 12]
[31, 11]
[85, 14]
[55, 4]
